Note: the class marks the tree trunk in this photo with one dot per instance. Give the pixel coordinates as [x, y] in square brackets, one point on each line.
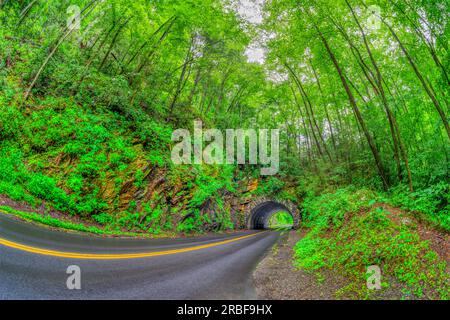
[396, 138]
[356, 111]
[428, 88]
[307, 103]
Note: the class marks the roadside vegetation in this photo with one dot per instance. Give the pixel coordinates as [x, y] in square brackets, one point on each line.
[281, 220]
[88, 106]
[350, 230]
[92, 90]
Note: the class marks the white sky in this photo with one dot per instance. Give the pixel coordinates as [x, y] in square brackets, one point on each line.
[251, 12]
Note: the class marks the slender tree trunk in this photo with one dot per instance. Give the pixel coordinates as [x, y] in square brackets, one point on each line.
[356, 110]
[428, 88]
[65, 33]
[430, 46]
[113, 42]
[26, 11]
[195, 86]
[308, 104]
[93, 56]
[396, 138]
[313, 132]
[149, 40]
[330, 126]
[182, 77]
[149, 55]
[308, 140]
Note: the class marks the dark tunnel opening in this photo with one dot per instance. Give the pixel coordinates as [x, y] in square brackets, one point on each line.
[260, 215]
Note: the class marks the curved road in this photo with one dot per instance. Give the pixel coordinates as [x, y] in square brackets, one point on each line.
[34, 261]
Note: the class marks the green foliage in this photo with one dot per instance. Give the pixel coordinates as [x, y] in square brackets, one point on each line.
[270, 186]
[102, 218]
[328, 210]
[348, 235]
[379, 109]
[193, 222]
[207, 183]
[433, 202]
[281, 220]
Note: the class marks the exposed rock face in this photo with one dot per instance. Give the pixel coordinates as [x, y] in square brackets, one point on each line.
[144, 188]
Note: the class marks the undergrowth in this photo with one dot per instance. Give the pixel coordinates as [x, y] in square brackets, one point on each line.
[348, 233]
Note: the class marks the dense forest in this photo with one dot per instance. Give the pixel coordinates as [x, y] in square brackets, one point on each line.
[91, 91]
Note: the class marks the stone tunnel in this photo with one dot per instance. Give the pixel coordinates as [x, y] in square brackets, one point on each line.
[259, 211]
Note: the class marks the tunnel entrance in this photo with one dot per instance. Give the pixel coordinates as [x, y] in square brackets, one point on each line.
[260, 215]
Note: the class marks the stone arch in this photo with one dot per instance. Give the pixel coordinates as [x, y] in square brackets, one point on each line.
[258, 211]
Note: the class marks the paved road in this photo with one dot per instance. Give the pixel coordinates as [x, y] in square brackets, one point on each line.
[212, 267]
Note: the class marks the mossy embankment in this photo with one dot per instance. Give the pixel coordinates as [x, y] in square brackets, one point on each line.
[105, 168]
[114, 171]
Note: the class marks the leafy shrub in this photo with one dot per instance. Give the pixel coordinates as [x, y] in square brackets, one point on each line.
[347, 236]
[270, 186]
[433, 202]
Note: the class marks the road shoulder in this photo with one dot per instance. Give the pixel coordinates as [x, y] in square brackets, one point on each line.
[276, 278]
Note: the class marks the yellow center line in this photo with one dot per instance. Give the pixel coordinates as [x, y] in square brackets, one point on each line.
[94, 256]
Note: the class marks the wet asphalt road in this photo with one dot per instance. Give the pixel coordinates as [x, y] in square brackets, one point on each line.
[220, 272]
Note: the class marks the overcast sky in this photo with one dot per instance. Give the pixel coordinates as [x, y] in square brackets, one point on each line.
[251, 11]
